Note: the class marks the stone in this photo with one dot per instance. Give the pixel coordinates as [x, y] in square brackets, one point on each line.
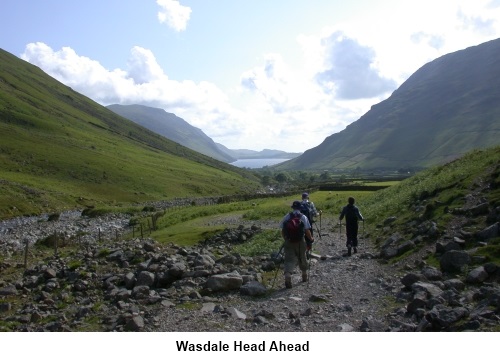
[253, 288]
[477, 275]
[235, 313]
[224, 282]
[454, 261]
[145, 278]
[134, 324]
[8, 290]
[490, 232]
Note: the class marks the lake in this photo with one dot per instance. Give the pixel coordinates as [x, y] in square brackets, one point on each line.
[258, 162]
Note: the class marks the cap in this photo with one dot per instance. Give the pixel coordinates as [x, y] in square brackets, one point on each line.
[296, 205]
[305, 195]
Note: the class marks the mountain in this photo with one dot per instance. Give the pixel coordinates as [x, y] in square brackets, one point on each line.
[446, 108]
[265, 153]
[173, 128]
[61, 150]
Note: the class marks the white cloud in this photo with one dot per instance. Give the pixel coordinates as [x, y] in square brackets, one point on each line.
[271, 81]
[493, 4]
[174, 14]
[350, 72]
[87, 76]
[202, 104]
[283, 110]
[143, 67]
[293, 108]
[478, 24]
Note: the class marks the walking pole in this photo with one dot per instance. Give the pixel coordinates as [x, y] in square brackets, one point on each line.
[278, 268]
[364, 233]
[319, 231]
[308, 266]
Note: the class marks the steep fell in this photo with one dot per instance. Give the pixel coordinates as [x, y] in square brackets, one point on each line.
[447, 108]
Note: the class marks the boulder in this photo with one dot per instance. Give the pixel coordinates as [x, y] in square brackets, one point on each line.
[224, 282]
[454, 261]
[490, 232]
[253, 288]
[477, 275]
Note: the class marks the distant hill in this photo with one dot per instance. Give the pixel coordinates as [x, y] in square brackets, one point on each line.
[265, 153]
[173, 128]
[445, 109]
[60, 150]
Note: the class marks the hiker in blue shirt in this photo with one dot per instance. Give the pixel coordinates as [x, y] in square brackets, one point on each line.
[310, 205]
[352, 215]
[309, 209]
[294, 228]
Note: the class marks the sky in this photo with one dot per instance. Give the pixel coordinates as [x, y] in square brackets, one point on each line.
[260, 74]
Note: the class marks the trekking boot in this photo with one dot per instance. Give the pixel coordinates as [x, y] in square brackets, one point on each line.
[304, 276]
[355, 250]
[348, 251]
[288, 281]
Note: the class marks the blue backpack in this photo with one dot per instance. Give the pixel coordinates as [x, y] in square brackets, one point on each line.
[304, 209]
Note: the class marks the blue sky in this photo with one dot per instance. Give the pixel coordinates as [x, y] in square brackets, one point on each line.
[277, 74]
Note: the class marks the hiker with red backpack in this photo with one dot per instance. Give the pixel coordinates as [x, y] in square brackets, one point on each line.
[295, 227]
[352, 215]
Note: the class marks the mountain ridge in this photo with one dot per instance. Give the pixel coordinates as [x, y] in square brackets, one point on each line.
[179, 130]
[449, 106]
[251, 154]
[172, 127]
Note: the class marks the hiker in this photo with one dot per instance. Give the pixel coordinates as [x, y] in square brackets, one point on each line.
[352, 215]
[294, 228]
[308, 209]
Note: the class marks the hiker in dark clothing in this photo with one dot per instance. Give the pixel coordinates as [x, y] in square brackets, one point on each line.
[352, 215]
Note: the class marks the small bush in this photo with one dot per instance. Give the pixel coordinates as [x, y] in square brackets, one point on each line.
[75, 264]
[92, 212]
[263, 243]
[103, 253]
[54, 217]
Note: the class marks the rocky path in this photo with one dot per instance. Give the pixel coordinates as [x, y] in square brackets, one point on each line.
[342, 294]
[140, 285]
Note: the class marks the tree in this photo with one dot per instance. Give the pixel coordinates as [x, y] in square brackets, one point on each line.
[281, 177]
[266, 180]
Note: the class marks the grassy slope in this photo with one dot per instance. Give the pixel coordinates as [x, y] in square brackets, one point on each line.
[59, 149]
[456, 176]
[438, 190]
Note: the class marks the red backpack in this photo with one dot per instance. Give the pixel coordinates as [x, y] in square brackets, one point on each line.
[294, 227]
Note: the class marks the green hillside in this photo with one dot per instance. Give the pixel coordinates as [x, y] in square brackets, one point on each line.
[172, 127]
[457, 202]
[434, 193]
[446, 108]
[59, 149]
